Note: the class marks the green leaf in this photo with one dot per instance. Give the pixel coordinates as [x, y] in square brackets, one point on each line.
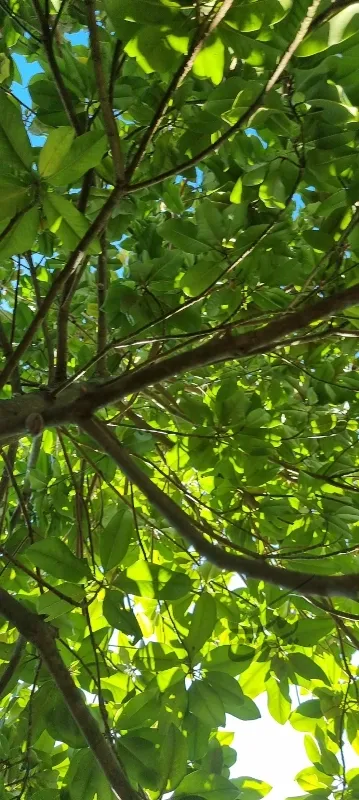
[307, 667]
[56, 558]
[14, 196]
[305, 716]
[183, 234]
[173, 759]
[199, 277]
[52, 606]
[203, 620]
[67, 222]
[209, 63]
[236, 193]
[84, 777]
[115, 539]
[210, 787]
[342, 25]
[205, 703]
[151, 49]
[151, 580]
[255, 175]
[233, 699]
[61, 725]
[279, 705]
[252, 680]
[156, 657]
[120, 618]
[310, 631]
[15, 148]
[319, 240]
[139, 711]
[311, 749]
[139, 757]
[85, 152]
[154, 12]
[21, 234]
[54, 150]
[311, 778]
[251, 789]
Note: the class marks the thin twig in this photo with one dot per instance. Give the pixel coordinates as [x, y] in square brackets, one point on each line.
[115, 69]
[246, 116]
[45, 327]
[64, 93]
[107, 112]
[16, 300]
[62, 347]
[207, 27]
[7, 350]
[19, 494]
[29, 730]
[8, 10]
[26, 489]
[74, 262]
[12, 666]
[42, 583]
[58, 17]
[101, 297]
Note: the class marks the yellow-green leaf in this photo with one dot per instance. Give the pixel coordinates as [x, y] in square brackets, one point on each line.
[54, 150]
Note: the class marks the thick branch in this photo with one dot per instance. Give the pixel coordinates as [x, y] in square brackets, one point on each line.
[107, 112]
[222, 347]
[84, 399]
[298, 582]
[33, 628]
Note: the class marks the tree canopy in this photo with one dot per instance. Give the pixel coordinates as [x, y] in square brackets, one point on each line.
[179, 324]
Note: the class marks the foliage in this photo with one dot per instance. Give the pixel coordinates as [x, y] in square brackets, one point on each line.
[179, 250]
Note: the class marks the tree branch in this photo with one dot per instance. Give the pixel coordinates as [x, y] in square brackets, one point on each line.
[26, 491]
[301, 34]
[11, 668]
[6, 347]
[331, 11]
[45, 328]
[59, 81]
[74, 262]
[63, 321]
[207, 27]
[219, 348]
[107, 112]
[69, 289]
[34, 629]
[83, 399]
[298, 582]
[4, 481]
[101, 297]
